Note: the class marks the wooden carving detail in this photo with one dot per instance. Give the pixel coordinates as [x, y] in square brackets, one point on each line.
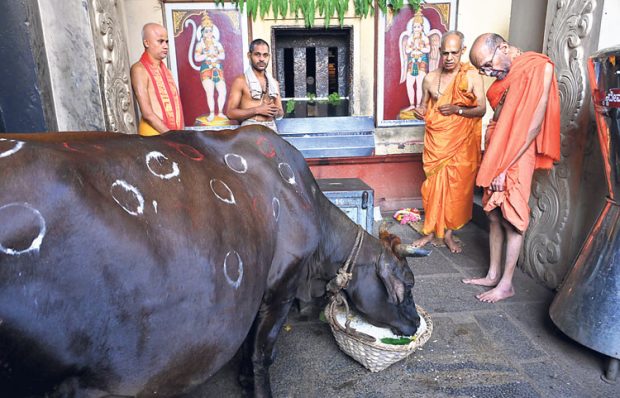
[113, 63]
[546, 253]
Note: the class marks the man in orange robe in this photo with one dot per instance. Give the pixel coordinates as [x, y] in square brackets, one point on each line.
[523, 136]
[453, 104]
[154, 87]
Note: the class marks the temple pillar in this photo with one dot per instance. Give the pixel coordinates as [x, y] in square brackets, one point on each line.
[81, 64]
[562, 212]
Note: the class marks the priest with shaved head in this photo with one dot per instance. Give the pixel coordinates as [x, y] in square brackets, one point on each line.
[523, 136]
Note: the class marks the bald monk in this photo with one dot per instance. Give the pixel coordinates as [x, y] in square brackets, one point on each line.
[255, 95]
[153, 85]
[524, 135]
[453, 104]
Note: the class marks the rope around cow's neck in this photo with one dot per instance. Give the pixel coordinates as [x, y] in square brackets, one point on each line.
[341, 281]
[345, 273]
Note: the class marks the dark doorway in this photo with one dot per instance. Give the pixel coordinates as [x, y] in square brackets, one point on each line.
[313, 68]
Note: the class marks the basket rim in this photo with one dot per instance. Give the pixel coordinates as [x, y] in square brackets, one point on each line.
[415, 344]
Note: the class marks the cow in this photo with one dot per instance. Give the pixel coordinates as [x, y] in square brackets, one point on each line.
[138, 266]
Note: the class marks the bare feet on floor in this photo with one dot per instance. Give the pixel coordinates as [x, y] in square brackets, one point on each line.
[486, 281]
[423, 240]
[496, 294]
[452, 244]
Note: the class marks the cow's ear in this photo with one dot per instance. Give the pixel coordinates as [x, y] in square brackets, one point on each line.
[385, 269]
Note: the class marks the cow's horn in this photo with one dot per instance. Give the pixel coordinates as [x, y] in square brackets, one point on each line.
[411, 251]
[383, 228]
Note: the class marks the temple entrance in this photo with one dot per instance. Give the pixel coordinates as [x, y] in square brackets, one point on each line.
[313, 67]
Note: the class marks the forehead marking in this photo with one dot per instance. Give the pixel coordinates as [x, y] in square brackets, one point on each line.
[236, 163]
[217, 184]
[35, 245]
[9, 152]
[125, 187]
[233, 282]
[161, 159]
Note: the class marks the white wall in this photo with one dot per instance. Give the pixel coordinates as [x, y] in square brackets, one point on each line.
[476, 17]
[527, 24]
[137, 14]
[610, 32]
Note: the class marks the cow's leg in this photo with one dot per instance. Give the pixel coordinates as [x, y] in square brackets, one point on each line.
[246, 369]
[272, 314]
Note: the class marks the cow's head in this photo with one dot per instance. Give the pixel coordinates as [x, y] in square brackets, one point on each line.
[382, 291]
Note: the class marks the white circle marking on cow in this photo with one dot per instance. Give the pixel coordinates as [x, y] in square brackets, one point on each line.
[286, 172]
[37, 241]
[17, 147]
[231, 198]
[129, 188]
[158, 156]
[155, 206]
[275, 204]
[240, 168]
[234, 283]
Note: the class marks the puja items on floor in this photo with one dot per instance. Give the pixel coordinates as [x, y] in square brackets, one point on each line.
[407, 215]
[374, 347]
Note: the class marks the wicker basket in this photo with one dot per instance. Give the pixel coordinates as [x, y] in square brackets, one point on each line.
[375, 356]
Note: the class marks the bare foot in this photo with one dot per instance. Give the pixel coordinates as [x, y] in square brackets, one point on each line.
[486, 281]
[451, 243]
[423, 240]
[496, 294]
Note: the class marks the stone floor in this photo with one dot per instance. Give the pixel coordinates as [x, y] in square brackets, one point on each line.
[508, 349]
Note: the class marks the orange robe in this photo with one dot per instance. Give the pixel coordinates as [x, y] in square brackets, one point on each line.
[167, 96]
[507, 136]
[451, 157]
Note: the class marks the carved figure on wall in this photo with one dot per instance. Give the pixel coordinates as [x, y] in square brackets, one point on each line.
[414, 48]
[207, 48]
[209, 52]
[408, 50]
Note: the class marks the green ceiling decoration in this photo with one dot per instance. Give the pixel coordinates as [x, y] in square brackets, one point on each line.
[326, 8]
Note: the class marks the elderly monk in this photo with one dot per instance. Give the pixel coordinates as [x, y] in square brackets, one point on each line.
[523, 136]
[453, 104]
[153, 85]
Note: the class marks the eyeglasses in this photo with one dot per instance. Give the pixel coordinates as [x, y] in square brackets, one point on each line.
[487, 68]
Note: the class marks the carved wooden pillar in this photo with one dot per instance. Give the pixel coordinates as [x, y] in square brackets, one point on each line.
[113, 64]
[571, 36]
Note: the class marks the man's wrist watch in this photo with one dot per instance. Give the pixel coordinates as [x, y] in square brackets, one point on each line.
[460, 112]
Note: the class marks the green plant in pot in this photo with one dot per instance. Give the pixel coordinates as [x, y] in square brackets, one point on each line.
[290, 106]
[334, 99]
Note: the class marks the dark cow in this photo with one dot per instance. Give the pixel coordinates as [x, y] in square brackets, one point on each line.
[135, 266]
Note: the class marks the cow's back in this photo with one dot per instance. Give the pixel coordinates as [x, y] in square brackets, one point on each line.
[132, 260]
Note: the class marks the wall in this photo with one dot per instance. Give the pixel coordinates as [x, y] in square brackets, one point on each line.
[527, 24]
[609, 36]
[69, 55]
[137, 14]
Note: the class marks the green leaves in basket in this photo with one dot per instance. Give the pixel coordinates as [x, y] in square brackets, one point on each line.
[397, 341]
[322, 317]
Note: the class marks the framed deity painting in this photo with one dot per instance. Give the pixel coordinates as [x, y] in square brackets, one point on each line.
[408, 49]
[207, 49]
